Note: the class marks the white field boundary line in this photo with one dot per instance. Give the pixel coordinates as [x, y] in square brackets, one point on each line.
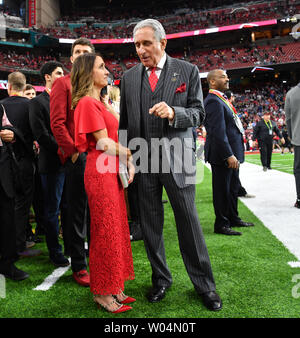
[55, 275]
[52, 279]
[275, 193]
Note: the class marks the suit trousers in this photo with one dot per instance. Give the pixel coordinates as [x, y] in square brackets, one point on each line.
[38, 203]
[265, 148]
[52, 184]
[226, 185]
[78, 219]
[297, 169]
[23, 201]
[191, 240]
[8, 249]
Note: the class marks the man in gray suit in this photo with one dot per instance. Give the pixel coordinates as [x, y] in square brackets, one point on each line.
[161, 102]
[292, 113]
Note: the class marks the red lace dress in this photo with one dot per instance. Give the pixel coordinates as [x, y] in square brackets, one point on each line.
[110, 249]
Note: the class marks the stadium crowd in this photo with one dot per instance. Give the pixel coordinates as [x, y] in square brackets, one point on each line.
[118, 24]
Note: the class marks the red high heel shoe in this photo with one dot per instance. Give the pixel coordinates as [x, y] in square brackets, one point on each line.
[121, 308]
[127, 300]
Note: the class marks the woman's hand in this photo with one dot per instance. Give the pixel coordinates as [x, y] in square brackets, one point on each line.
[125, 155]
[131, 171]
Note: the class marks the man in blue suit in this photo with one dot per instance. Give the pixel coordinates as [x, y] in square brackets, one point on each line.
[224, 150]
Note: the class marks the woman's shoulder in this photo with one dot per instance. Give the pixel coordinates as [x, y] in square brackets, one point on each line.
[90, 101]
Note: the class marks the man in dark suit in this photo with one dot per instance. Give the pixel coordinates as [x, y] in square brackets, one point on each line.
[17, 110]
[224, 150]
[62, 126]
[9, 137]
[49, 166]
[263, 133]
[161, 100]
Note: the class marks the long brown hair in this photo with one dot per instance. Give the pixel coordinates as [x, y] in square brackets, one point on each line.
[81, 77]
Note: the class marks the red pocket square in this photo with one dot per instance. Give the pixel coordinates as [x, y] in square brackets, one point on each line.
[181, 88]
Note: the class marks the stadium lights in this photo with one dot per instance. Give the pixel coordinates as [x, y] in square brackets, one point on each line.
[292, 19]
[260, 68]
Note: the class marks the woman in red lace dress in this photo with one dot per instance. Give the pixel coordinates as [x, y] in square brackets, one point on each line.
[96, 131]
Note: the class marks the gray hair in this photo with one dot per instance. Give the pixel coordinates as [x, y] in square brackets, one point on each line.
[159, 31]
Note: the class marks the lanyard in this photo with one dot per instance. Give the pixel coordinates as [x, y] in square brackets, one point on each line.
[15, 94]
[268, 124]
[231, 107]
[229, 104]
[48, 90]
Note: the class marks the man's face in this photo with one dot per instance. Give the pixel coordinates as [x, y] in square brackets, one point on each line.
[267, 117]
[220, 81]
[78, 50]
[58, 72]
[30, 93]
[149, 50]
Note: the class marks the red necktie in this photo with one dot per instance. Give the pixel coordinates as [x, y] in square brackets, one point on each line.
[153, 79]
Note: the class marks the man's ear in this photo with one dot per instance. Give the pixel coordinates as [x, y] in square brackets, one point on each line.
[47, 78]
[71, 59]
[8, 87]
[163, 43]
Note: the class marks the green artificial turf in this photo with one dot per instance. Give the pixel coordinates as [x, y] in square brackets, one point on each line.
[251, 272]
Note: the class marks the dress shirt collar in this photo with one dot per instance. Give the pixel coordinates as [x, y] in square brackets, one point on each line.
[160, 64]
[221, 93]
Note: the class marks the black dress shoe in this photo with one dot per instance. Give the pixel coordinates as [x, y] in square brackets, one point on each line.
[242, 224]
[14, 273]
[212, 300]
[157, 293]
[135, 231]
[227, 231]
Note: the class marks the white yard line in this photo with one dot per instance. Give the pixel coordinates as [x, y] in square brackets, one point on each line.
[274, 204]
[275, 193]
[55, 275]
[51, 279]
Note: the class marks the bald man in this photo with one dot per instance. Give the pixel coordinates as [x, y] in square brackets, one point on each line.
[224, 150]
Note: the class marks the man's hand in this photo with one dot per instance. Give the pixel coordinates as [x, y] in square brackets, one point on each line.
[7, 135]
[74, 157]
[282, 140]
[233, 162]
[163, 111]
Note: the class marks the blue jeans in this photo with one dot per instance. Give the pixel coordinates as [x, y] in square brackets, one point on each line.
[52, 185]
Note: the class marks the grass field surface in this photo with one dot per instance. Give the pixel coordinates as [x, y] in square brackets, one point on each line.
[250, 271]
[283, 162]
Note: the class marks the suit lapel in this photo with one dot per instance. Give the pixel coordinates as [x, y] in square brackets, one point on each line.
[137, 83]
[172, 79]
[136, 92]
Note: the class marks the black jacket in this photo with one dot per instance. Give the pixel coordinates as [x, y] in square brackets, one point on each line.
[223, 137]
[17, 111]
[39, 117]
[9, 167]
[261, 131]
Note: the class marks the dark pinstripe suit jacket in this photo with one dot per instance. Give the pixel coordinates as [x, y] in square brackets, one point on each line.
[188, 107]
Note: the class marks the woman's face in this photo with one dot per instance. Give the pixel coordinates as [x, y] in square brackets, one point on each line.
[100, 73]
